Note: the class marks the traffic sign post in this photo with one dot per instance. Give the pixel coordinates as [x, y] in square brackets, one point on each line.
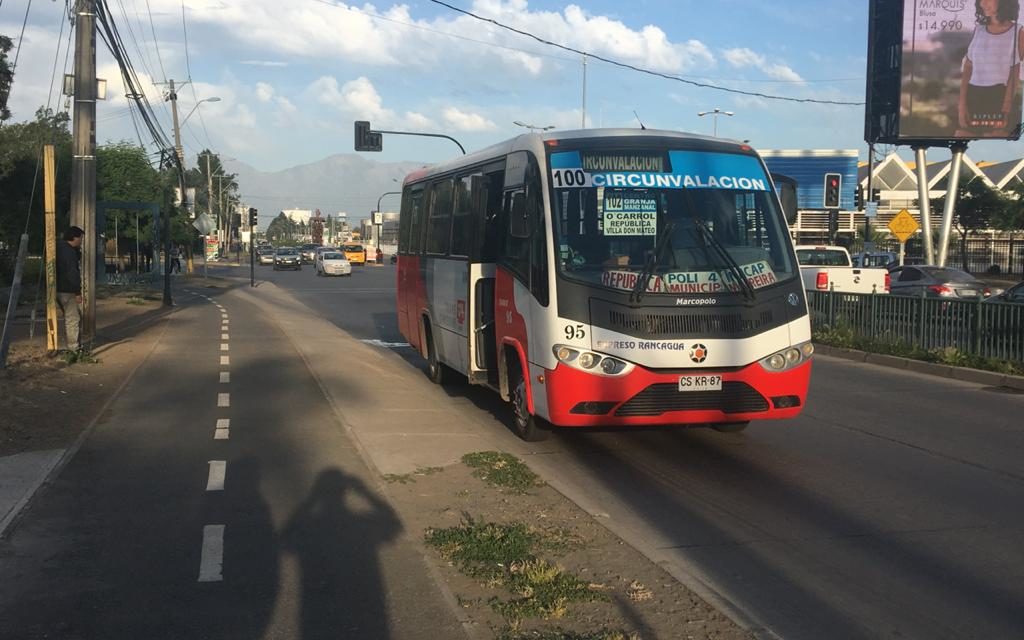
[903, 225]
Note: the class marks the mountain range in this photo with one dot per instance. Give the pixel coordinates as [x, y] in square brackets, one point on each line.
[346, 182]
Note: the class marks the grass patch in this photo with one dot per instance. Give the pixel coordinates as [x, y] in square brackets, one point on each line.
[505, 555]
[407, 478]
[502, 470]
[78, 357]
[136, 300]
[844, 337]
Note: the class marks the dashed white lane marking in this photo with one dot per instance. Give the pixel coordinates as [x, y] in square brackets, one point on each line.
[224, 346]
[218, 471]
[223, 399]
[223, 430]
[225, 377]
[225, 360]
[212, 562]
[224, 336]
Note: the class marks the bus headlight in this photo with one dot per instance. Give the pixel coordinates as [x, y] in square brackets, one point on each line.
[591, 362]
[788, 358]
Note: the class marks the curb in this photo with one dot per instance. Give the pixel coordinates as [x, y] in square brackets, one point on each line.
[963, 374]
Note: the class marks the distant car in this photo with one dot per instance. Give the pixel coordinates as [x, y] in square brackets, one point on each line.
[937, 282]
[1014, 294]
[394, 258]
[355, 253]
[265, 255]
[307, 252]
[332, 263]
[287, 258]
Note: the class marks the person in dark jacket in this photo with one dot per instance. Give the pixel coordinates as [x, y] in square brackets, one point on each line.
[69, 284]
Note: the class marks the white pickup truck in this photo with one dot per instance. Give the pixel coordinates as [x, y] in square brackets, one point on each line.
[825, 268]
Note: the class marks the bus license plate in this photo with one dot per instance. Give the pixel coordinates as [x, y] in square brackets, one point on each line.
[700, 383]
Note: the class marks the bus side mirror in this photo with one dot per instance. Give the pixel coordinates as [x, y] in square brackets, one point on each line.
[786, 188]
[519, 223]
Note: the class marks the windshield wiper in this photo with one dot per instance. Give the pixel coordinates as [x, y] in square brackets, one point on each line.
[652, 263]
[734, 267]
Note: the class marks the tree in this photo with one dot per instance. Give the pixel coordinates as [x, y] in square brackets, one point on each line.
[20, 153]
[6, 76]
[281, 229]
[1011, 217]
[205, 200]
[978, 206]
[123, 173]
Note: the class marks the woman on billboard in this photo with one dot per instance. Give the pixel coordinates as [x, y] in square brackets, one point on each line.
[989, 87]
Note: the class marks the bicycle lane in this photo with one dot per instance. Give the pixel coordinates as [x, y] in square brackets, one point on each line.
[216, 499]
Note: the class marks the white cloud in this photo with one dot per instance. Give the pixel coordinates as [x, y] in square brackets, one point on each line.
[359, 99]
[264, 92]
[464, 121]
[744, 57]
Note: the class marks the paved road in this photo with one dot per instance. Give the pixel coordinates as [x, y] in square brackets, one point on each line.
[890, 509]
[219, 498]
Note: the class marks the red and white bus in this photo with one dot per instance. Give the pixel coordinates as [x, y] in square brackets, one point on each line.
[607, 278]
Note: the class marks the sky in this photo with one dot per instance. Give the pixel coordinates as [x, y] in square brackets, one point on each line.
[293, 75]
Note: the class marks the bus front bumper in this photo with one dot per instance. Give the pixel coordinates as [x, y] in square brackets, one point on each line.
[644, 398]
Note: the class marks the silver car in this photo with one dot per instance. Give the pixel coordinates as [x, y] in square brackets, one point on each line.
[937, 282]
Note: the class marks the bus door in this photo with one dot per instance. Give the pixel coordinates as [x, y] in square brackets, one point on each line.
[483, 354]
[410, 287]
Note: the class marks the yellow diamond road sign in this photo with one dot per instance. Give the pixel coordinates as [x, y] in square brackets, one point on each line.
[903, 225]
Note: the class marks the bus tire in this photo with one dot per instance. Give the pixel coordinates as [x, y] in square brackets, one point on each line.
[527, 426]
[437, 371]
[731, 427]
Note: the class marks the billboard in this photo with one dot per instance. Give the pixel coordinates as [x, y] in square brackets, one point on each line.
[960, 77]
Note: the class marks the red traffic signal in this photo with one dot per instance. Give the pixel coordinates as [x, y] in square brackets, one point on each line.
[833, 189]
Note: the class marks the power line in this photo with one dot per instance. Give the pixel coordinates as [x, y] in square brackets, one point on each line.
[650, 72]
[21, 38]
[188, 69]
[156, 43]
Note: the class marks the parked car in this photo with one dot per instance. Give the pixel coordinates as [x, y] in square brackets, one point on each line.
[287, 258]
[937, 282]
[1014, 294]
[265, 255]
[332, 263]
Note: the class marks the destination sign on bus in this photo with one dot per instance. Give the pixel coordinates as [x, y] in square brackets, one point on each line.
[759, 274]
[687, 170]
[630, 214]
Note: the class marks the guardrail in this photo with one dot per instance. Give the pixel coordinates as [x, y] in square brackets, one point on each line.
[985, 329]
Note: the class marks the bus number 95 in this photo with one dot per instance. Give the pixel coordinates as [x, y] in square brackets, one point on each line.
[575, 332]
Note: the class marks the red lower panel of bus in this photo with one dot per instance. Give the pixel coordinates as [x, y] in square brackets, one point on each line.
[643, 397]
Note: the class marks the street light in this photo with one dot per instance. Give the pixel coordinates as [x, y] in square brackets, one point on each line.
[715, 113]
[213, 99]
[532, 127]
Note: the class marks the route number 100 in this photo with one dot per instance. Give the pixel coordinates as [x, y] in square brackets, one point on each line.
[564, 178]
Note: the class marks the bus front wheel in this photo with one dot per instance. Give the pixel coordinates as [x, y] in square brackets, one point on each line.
[730, 427]
[527, 426]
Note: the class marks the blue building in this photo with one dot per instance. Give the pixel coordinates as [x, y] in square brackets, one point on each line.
[808, 168]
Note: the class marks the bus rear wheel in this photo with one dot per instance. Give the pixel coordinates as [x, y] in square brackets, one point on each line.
[527, 426]
[731, 427]
[436, 370]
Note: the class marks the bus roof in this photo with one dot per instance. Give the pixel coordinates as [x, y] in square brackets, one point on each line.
[536, 142]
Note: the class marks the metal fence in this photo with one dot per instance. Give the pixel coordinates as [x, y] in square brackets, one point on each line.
[987, 329]
[984, 255]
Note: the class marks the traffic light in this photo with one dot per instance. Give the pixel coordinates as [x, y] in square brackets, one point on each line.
[858, 198]
[253, 217]
[366, 139]
[833, 187]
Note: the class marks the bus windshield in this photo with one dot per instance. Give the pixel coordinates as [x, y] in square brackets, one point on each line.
[690, 221]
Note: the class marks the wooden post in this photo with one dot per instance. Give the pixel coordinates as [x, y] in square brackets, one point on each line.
[50, 252]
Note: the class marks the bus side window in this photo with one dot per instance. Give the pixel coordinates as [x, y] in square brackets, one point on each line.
[462, 222]
[492, 218]
[440, 218]
[415, 242]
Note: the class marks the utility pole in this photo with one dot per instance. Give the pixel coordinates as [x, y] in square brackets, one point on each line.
[179, 168]
[83, 159]
[867, 197]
